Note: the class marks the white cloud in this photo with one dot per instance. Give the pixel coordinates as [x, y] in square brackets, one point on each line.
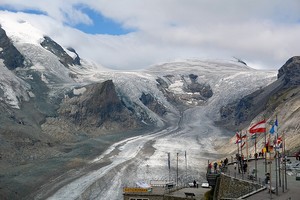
[260, 32]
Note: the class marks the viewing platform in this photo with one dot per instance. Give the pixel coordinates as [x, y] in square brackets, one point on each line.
[232, 184]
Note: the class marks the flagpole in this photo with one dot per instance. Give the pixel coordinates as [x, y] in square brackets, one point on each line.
[282, 157]
[279, 168]
[265, 152]
[255, 156]
[242, 160]
[272, 130]
[276, 173]
[260, 127]
[285, 161]
[185, 165]
[238, 147]
[278, 159]
[247, 153]
[177, 172]
[169, 166]
[270, 168]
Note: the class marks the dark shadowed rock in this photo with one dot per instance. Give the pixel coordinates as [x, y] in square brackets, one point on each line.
[152, 104]
[8, 52]
[290, 72]
[161, 83]
[77, 58]
[204, 89]
[57, 50]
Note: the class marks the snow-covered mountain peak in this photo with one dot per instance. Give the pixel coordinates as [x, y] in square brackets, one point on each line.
[19, 30]
[200, 65]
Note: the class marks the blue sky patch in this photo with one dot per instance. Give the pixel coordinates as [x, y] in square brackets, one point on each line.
[8, 8]
[101, 24]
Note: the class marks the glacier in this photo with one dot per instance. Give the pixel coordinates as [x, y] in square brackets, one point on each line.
[191, 131]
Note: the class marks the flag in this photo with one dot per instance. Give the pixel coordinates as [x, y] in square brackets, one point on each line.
[278, 144]
[274, 127]
[259, 127]
[253, 136]
[238, 138]
[279, 140]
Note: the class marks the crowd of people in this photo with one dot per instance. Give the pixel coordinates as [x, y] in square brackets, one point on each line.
[221, 165]
[217, 166]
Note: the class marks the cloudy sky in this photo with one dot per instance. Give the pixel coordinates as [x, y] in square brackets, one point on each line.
[133, 34]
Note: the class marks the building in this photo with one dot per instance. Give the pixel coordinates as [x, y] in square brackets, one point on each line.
[164, 192]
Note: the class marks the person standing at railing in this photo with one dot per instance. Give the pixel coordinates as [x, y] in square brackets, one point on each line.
[209, 168]
[215, 167]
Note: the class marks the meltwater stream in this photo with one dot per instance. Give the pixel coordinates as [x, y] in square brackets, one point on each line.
[145, 158]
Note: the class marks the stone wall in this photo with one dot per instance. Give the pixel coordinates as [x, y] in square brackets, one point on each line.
[229, 187]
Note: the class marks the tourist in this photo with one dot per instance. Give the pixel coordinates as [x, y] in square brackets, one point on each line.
[226, 161]
[245, 167]
[267, 178]
[209, 168]
[215, 167]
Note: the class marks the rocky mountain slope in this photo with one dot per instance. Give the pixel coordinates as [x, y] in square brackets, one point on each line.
[280, 99]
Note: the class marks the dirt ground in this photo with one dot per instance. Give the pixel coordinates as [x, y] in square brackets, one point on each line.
[33, 178]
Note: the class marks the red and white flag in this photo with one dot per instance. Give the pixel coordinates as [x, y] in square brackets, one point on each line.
[259, 127]
[278, 144]
[239, 138]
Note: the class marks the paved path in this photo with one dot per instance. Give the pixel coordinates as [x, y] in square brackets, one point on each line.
[293, 186]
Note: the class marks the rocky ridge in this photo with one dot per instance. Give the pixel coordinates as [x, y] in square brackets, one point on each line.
[280, 100]
[12, 58]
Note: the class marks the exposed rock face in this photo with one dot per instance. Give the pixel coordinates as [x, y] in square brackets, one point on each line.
[204, 90]
[100, 99]
[290, 72]
[57, 50]
[99, 106]
[236, 114]
[192, 91]
[152, 104]
[77, 58]
[171, 97]
[8, 52]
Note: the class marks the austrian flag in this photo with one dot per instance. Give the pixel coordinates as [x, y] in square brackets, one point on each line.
[260, 127]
